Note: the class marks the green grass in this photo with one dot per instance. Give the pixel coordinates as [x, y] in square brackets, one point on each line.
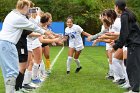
[91, 79]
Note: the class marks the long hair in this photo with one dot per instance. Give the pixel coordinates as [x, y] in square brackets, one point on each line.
[111, 14]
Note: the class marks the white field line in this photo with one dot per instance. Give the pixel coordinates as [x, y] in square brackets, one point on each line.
[53, 62]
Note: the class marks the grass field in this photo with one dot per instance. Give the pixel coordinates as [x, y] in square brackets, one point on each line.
[91, 79]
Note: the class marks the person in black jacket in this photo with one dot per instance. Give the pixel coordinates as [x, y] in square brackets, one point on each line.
[130, 37]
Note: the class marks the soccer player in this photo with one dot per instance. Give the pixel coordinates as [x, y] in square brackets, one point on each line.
[74, 32]
[45, 46]
[110, 74]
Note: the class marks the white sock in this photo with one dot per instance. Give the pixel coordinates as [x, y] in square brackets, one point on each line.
[124, 71]
[77, 62]
[117, 69]
[69, 63]
[35, 70]
[42, 67]
[110, 70]
[27, 77]
[10, 85]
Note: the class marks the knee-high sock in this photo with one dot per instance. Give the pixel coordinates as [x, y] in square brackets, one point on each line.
[27, 77]
[19, 81]
[10, 85]
[35, 70]
[77, 62]
[110, 70]
[69, 63]
[48, 64]
[42, 67]
[117, 68]
[124, 71]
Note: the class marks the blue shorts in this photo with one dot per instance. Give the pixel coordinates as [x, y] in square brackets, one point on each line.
[8, 59]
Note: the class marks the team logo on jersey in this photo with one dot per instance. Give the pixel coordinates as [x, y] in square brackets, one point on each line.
[73, 35]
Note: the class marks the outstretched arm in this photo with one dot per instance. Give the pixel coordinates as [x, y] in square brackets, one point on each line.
[86, 34]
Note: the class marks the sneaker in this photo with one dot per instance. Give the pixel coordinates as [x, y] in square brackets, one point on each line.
[68, 72]
[78, 69]
[36, 81]
[28, 87]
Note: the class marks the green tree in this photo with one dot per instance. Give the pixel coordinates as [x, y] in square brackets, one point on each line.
[134, 5]
[5, 7]
[85, 12]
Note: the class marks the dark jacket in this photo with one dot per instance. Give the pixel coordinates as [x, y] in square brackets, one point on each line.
[130, 32]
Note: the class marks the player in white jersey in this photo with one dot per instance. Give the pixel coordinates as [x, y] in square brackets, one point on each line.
[108, 47]
[74, 32]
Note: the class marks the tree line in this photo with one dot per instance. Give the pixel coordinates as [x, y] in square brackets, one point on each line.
[85, 12]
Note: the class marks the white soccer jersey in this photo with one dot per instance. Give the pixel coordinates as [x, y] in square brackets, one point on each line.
[75, 39]
[116, 27]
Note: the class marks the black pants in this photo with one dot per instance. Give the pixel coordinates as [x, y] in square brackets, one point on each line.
[133, 67]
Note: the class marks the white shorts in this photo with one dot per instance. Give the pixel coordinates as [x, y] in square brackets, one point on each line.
[36, 43]
[124, 48]
[29, 45]
[77, 48]
[108, 46]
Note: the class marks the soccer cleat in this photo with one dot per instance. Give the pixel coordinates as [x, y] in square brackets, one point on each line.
[78, 69]
[68, 72]
[28, 87]
[36, 81]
